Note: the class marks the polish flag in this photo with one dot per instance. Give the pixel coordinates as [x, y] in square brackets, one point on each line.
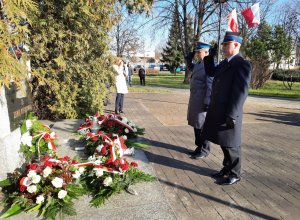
[232, 22]
[251, 15]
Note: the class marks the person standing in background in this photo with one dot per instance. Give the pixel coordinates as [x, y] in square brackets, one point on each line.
[200, 90]
[142, 75]
[121, 86]
[130, 74]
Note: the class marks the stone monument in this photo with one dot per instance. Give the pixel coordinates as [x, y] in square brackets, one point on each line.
[14, 105]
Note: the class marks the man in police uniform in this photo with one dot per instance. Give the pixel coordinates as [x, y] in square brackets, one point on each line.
[200, 90]
[223, 122]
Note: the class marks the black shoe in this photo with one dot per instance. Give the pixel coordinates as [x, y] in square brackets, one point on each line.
[222, 173]
[198, 156]
[229, 181]
[195, 152]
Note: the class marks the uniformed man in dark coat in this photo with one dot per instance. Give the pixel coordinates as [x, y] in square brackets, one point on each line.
[200, 90]
[223, 122]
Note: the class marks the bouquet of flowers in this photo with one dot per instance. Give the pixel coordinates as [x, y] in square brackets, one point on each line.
[102, 181]
[37, 139]
[48, 186]
[112, 124]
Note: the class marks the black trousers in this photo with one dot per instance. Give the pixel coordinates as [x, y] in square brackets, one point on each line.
[142, 80]
[232, 160]
[119, 102]
[203, 146]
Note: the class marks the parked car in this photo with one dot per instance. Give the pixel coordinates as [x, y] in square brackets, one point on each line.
[164, 67]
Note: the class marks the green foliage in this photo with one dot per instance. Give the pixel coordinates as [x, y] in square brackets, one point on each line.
[136, 144]
[266, 47]
[101, 193]
[70, 57]
[13, 33]
[172, 53]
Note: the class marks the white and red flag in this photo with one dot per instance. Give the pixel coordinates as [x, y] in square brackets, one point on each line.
[232, 22]
[251, 15]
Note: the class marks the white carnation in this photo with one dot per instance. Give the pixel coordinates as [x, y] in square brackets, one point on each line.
[81, 170]
[36, 179]
[31, 173]
[62, 194]
[98, 172]
[97, 162]
[91, 158]
[40, 199]
[76, 175]
[126, 130]
[57, 182]
[31, 189]
[124, 137]
[47, 171]
[107, 181]
[28, 124]
[26, 139]
[134, 130]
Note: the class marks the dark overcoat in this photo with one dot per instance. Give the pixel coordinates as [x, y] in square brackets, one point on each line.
[200, 90]
[229, 92]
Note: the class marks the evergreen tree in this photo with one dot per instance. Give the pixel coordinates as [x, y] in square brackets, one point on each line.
[13, 32]
[70, 57]
[172, 53]
[269, 45]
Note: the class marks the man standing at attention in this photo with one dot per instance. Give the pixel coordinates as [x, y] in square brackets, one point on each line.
[223, 122]
[200, 90]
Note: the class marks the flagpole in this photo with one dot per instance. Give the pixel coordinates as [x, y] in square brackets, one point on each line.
[219, 28]
[219, 33]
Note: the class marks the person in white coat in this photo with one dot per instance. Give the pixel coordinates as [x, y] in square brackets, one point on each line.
[121, 86]
[200, 91]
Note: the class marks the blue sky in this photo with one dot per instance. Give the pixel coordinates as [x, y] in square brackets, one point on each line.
[153, 38]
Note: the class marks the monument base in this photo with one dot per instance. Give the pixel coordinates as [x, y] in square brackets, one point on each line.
[9, 156]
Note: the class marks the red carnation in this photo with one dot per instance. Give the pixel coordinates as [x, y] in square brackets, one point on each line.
[119, 131]
[74, 162]
[32, 166]
[109, 124]
[94, 138]
[86, 120]
[100, 132]
[108, 161]
[65, 158]
[23, 188]
[109, 135]
[103, 151]
[134, 164]
[102, 117]
[124, 166]
[89, 134]
[48, 163]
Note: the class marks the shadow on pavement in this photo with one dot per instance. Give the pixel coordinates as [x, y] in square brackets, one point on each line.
[288, 118]
[171, 162]
[215, 199]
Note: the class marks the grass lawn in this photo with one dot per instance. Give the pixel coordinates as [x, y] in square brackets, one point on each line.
[277, 89]
[168, 80]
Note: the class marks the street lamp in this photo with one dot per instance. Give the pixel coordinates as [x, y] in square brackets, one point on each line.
[220, 2]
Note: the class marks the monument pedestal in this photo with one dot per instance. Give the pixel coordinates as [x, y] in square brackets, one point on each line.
[13, 107]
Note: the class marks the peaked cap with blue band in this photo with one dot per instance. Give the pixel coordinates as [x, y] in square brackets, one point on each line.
[232, 36]
[201, 45]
